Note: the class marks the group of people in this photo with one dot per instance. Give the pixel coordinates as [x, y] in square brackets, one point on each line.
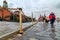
[51, 18]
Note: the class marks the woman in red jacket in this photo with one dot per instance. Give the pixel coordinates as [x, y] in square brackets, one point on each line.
[52, 18]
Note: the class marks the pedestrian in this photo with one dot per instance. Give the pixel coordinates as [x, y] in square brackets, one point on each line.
[52, 18]
[46, 19]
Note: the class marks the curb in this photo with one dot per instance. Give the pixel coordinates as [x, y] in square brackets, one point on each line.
[11, 34]
[24, 29]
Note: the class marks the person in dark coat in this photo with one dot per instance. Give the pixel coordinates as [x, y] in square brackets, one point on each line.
[52, 18]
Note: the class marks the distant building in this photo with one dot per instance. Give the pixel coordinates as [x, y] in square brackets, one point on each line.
[7, 15]
[40, 18]
[4, 13]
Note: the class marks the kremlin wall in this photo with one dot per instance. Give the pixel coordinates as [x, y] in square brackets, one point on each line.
[7, 15]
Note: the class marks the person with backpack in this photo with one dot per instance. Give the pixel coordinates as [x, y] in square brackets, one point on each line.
[52, 18]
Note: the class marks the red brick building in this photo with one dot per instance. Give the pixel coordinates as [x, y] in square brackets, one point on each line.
[6, 15]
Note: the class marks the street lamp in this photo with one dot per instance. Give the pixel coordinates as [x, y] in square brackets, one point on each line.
[32, 17]
[20, 18]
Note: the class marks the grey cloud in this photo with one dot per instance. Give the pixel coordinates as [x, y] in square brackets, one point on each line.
[11, 4]
[58, 5]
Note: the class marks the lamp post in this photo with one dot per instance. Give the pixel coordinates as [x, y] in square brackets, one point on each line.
[32, 17]
[20, 18]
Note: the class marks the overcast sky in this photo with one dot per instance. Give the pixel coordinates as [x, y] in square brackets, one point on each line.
[36, 7]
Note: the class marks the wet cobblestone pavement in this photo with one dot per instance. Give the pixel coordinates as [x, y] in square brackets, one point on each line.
[41, 31]
[7, 27]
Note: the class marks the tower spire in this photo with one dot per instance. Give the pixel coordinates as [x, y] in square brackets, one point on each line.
[4, 0]
[5, 5]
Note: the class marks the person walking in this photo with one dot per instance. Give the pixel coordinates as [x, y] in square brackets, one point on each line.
[46, 19]
[52, 18]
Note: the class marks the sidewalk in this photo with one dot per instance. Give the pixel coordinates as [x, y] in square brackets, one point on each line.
[7, 28]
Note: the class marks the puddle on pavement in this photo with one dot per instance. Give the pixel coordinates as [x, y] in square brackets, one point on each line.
[53, 34]
[36, 31]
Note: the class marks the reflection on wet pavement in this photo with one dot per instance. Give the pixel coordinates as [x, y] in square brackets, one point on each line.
[33, 39]
[52, 34]
[41, 31]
